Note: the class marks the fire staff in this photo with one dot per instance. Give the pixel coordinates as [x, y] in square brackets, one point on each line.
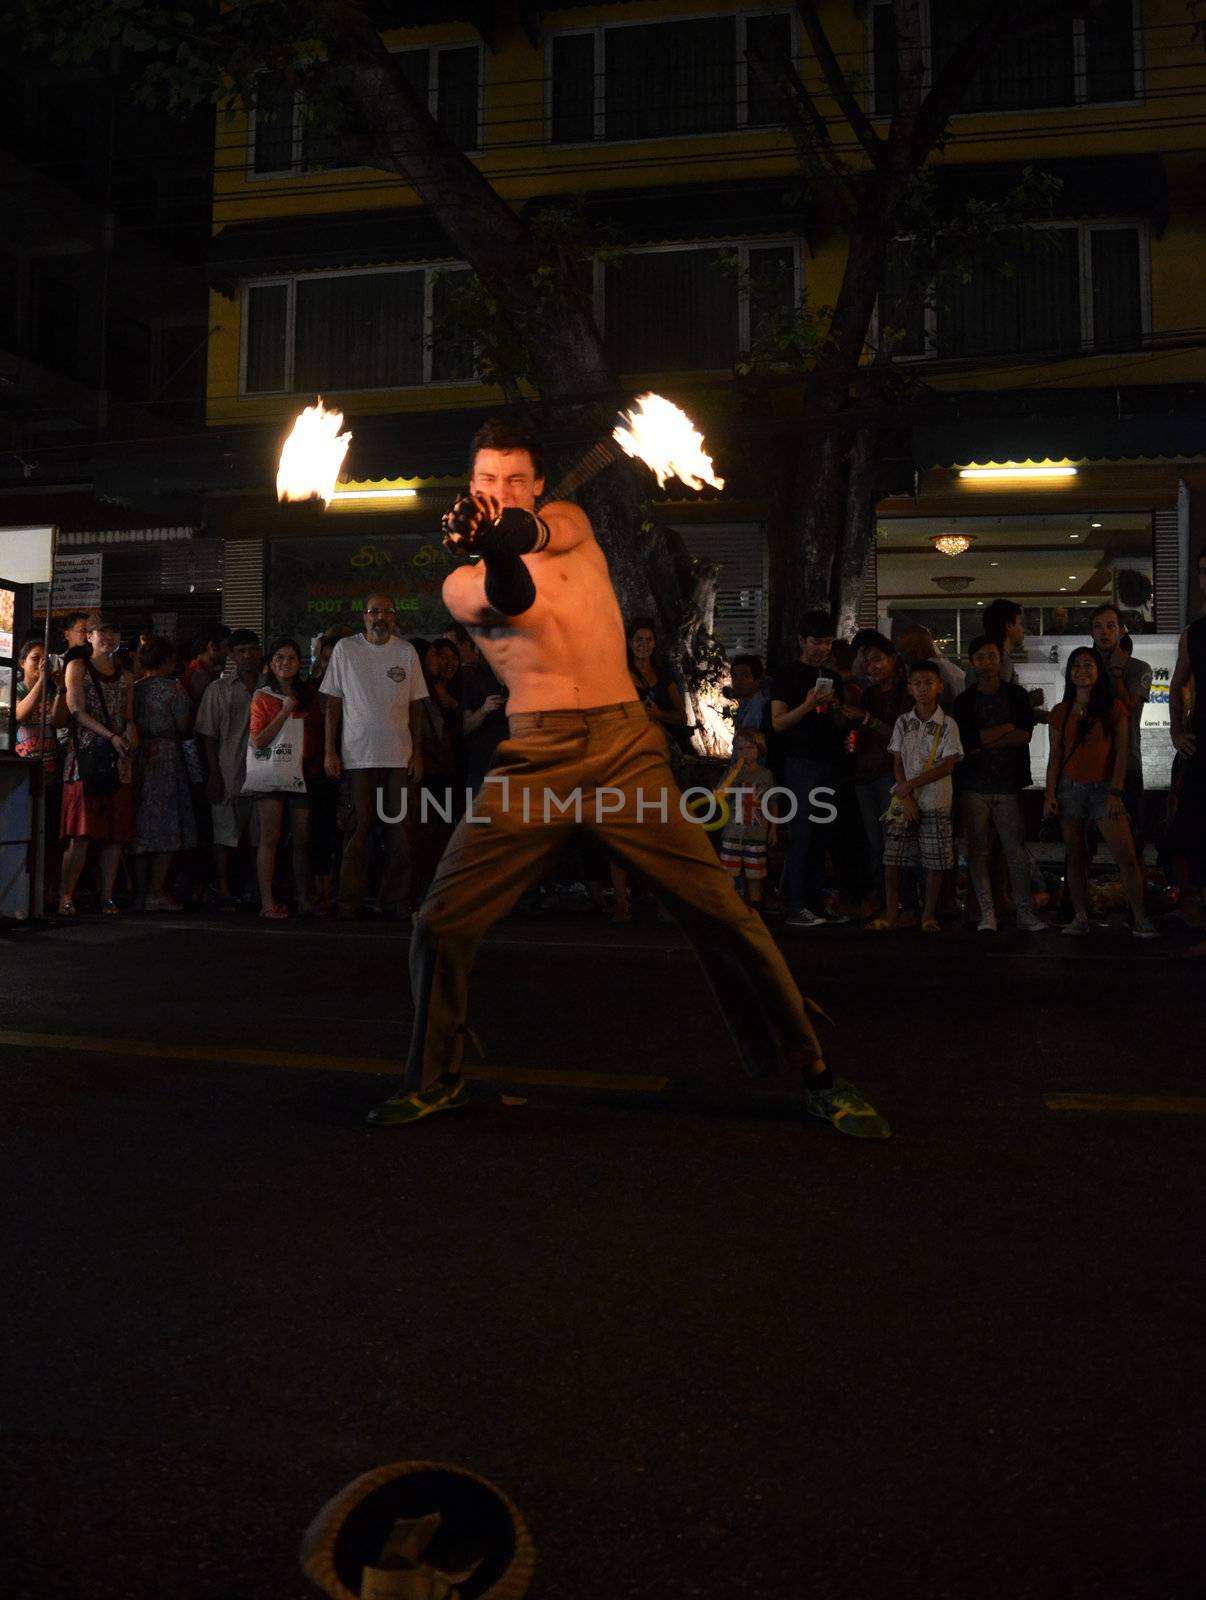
[581, 753]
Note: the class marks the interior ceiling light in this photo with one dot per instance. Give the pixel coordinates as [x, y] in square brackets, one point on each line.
[1063, 588]
[996, 471]
[979, 602]
[1092, 525]
[1074, 536]
[952, 544]
[952, 583]
[994, 563]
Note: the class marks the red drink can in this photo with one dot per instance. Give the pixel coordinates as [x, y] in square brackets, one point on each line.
[852, 741]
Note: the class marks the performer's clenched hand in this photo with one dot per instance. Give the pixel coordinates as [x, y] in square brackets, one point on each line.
[467, 516]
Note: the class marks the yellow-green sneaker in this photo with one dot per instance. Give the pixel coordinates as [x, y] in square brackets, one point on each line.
[847, 1111]
[412, 1105]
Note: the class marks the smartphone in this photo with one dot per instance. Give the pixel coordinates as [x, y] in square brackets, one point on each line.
[824, 688]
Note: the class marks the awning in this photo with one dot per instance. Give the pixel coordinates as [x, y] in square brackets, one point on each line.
[681, 212]
[226, 459]
[402, 234]
[1144, 424]
[124, 536]
[388, 237]
[1108, 186]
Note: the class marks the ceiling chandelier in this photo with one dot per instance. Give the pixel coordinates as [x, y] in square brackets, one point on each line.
[953, 584]
[952, 544]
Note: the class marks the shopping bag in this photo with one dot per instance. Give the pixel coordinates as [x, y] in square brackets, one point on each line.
[276, 768]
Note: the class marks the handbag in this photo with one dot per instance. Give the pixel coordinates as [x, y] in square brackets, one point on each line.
[193, 757]
[276, 768]
[97, 763]
[894, 816]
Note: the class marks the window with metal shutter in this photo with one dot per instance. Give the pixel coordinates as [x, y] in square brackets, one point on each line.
[740, 551]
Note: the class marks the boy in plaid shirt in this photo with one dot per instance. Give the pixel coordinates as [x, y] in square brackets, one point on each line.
[926, 746]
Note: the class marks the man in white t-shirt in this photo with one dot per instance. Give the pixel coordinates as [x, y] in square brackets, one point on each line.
[373, 692]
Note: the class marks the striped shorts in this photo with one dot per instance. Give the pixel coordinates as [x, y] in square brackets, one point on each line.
[746, 856]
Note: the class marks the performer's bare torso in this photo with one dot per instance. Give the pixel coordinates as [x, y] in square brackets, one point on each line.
[568, 651]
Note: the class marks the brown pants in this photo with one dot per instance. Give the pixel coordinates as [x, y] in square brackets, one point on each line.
[604, 770]
[363, 785]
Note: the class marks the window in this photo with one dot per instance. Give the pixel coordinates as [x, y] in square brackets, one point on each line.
[692, 309]
[447, 77]
[658, 80]
[353, 330]
[1077, 287]
[282, 140]
[1070, 61]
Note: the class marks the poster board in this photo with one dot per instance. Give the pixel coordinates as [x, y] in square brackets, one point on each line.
[77, 585]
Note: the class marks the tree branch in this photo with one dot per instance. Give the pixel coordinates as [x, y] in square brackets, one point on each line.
[809, 131]
[839, 86]
[950, 85]
[481, 225]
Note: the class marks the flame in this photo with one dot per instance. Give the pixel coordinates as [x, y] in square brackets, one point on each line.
[312, 455]
[667, 441]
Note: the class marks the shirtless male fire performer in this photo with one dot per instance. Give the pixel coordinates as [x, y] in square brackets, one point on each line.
[581, 752]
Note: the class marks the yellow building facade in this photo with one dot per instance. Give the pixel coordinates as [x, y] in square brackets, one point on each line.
[1090, 355]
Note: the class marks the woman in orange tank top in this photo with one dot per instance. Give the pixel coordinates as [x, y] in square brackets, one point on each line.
[1086, 771]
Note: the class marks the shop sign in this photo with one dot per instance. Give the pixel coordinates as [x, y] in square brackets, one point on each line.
[77, 585]
[316, 584]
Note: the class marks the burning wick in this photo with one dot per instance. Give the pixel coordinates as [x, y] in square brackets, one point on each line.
[660, 435]
[668, 442]
[312, 455]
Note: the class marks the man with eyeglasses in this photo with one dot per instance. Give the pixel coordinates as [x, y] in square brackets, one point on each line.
[373, 692]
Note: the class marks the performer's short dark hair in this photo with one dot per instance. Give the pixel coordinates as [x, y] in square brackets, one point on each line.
[507, 433]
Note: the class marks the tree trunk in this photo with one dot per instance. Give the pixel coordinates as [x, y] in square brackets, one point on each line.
[822, 492]
[578, 388]
[815, 524]
[858, 534]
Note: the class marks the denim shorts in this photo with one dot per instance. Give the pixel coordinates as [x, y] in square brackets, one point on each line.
[1086, 801]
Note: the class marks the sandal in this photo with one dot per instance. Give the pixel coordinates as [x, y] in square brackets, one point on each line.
[110, 909]
[883, 925]
[67, 908]
[164, 903]
[931, 926]
[275, 913]
[228, 903]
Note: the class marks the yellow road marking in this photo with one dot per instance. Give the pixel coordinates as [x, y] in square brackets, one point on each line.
[240, 1056]
[1185, 1105]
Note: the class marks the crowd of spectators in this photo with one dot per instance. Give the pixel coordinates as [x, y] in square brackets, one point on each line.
[247, 776]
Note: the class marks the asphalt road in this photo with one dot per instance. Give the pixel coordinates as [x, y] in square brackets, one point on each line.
[711, 1349]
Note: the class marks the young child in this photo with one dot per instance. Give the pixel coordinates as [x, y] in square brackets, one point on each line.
[926, 746]
[750, 829]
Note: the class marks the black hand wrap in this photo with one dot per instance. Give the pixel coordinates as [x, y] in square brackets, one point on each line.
[514, 533]
[468, 527]
[509, 586]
